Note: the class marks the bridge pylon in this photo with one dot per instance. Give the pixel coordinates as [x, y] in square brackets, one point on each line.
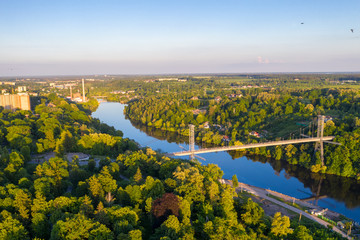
[192, 141]
[320, 134]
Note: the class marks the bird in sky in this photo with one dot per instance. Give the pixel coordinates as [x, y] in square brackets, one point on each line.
[302, 23]
[352, 30]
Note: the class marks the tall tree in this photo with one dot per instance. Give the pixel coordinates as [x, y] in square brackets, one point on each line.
[235, 181]
[280, 226]
[55, 170]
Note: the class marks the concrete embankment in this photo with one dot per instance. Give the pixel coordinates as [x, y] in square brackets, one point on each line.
[264, 193]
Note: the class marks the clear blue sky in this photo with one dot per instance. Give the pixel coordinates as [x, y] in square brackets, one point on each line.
[178, 36]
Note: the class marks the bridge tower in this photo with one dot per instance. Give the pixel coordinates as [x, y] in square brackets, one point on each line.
[192, 140]
[320, 134]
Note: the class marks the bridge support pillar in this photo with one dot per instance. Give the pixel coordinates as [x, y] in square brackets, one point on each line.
[320, 134]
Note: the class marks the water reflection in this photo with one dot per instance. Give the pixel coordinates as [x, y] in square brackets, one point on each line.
[339, 188]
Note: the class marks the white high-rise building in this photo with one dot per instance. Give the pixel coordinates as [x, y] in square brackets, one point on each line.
[83, 88]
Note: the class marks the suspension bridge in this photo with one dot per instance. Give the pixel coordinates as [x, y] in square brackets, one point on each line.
[320, 139]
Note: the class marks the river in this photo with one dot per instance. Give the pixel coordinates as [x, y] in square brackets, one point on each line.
[339, 194]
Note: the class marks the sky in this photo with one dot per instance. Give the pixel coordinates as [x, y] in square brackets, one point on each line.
[84, 37]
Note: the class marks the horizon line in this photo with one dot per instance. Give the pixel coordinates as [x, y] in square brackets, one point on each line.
[181, 74]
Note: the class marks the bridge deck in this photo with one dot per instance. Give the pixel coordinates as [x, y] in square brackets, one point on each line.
[253, 145]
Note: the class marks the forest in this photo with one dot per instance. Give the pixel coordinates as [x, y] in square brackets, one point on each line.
[130, 193]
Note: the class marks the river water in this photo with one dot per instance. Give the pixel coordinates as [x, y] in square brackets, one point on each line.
[338, 194]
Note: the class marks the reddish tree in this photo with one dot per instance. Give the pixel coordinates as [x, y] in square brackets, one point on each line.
[165, 206]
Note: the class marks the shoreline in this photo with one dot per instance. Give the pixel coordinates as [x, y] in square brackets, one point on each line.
[264, 194]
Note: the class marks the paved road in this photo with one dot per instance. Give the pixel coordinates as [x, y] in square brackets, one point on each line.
[260, 192]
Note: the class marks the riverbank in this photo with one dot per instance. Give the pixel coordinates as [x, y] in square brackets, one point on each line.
[266, 194]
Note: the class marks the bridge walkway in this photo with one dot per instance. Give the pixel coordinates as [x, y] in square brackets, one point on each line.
[252, 145]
